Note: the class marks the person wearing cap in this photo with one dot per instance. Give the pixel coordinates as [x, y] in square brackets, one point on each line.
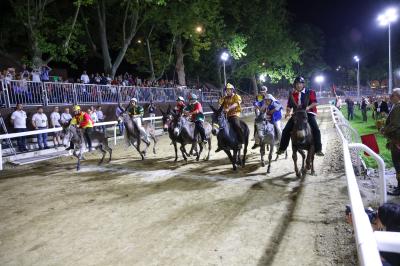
[301, 98]
[231, 106]
[273, 109]
[136, 112]
[83, 120]
[180, 105]
[194, 111]
[258, 104]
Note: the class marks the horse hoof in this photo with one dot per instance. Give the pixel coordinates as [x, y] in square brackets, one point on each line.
[312, 173]
[197, 159]
[262, 164]
[176, 160]
[268, 171]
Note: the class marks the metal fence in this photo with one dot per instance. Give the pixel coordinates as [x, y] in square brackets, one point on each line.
[369, 243]
[57, 93]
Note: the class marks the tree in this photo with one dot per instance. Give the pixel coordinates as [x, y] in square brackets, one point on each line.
[51, 33]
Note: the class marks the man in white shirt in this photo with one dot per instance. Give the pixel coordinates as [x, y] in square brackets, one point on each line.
[65, 117]
[85, 78]
[55, 118]
[101, 117]
[35, 75]
[39, 121]
[18, 120]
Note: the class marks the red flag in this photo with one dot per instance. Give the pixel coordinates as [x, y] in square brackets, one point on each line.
[370, 141]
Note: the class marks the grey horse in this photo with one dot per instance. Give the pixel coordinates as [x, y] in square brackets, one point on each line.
[75, 135]
[267, 137]
[184, 131]
[133, 137]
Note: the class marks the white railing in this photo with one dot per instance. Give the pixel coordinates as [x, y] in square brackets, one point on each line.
[245, 110]
[61, 93]
[369, 243]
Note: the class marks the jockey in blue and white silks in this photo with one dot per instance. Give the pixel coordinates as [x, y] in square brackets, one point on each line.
[273, 108]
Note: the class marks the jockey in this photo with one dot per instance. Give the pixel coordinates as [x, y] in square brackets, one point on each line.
[231, 104]
[82, 120]
[195, 113]
[301, 97]
[180, 105]
[136, 112]
[272, 108]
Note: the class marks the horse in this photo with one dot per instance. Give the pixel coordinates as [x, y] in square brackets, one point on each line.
[181, 131]
[227, 137]
[74, 134]
[302, 139]
[267, 138]
[132, 134]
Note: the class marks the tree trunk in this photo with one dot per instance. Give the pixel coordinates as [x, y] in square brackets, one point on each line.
[254, 83]
[37, 54]
[153, 76]
[180, 67]
[103, 37]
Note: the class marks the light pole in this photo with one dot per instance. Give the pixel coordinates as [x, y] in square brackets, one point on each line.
[319, 79]
[224, 58]
[390, 15]
[357, 59]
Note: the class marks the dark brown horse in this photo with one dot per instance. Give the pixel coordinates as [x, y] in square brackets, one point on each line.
[302, 140]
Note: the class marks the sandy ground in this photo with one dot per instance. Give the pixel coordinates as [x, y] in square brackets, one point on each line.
[157, 212]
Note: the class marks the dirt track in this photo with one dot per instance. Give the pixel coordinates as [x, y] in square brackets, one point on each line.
[157, 212]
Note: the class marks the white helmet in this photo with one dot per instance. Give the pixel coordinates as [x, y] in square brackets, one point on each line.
[134, 100]
[263, 89]
[270, 97]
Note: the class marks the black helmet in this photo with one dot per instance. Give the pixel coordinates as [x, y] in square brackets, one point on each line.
[299, 79]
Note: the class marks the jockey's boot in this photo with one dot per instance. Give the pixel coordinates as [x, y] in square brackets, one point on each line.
[319, 153]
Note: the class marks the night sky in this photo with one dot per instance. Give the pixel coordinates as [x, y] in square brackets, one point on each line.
[350, 28]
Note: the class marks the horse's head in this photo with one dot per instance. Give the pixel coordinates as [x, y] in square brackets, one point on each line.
[69, 132]
[166, 118]
[177, 123]
[300, 123]
[263, 126]
[218, 120]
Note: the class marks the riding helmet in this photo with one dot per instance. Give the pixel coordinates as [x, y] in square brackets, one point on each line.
[192, 97]
[134, 100]
[77, 108]
[229, 86]
[263, 89]
[180, 99]
[299, 79]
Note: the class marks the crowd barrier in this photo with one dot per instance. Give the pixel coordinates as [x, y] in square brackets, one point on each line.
[369, 243]
[58, 93]
[245, 111]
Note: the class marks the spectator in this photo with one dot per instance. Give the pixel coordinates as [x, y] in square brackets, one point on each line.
[388, 218]
[100, 117]
[55, 118]
[45, 73]
[392, 133]
[65, 117]
[384, 107]
[93, 115]
[39, 122]
[364, 105]
[350, 109]
[18, 120]
[97, 79]
[85, 78]
[25, 73]
[35, 75]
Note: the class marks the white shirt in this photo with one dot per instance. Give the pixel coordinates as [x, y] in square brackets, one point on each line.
[85, 78]
[55, 119]
[65, 118]
[100, 115]
[35, 76]
[19, 118]
[40, 120]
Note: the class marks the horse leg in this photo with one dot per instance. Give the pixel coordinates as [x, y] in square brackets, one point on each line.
[312, 164]
[199, 153]
[137, 147]
[209, 149]
[176, 151]
[303, 157]
[294, 157]
[270, 157]
[262, 152]
[182, 148]
[103, 152]
[245, 150]
[107, 148]
[154, 141]
[228, 152]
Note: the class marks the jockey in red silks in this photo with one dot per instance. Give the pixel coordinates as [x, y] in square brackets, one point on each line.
[180, 105]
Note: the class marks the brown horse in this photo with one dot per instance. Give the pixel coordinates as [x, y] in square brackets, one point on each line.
[302, 140]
